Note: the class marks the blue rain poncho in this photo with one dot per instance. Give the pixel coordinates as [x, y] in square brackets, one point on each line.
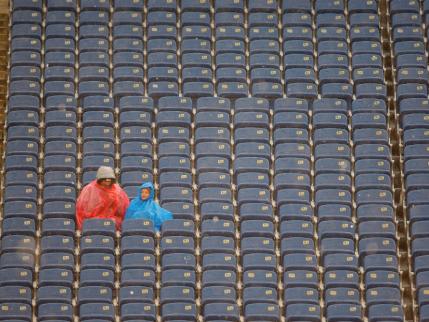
[147, 209]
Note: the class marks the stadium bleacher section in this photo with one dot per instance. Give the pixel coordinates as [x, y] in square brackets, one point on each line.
[269, 130]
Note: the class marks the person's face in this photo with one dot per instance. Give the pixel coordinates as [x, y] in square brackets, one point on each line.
[106, 182]
[145, 193]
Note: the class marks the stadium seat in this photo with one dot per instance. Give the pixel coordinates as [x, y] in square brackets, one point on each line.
[91, 294]
[135, 311]
[226, 311]
[55, 294]
[16, 311]
[101, 260]
[135, 294]
[102, 311]
[15, 294]
[137, 277]
[57, 260]
[55, 276]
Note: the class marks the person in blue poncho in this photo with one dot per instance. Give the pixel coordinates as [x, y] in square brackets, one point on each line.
[144, 207]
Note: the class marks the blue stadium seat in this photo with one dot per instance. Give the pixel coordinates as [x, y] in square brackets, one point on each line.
[213, 311]
[98, 43]
[210, 134]
[213, 294]
[254, 228]
[385, 311]
[342, 295]
[16, 311]
[258, 311]
[336, 261]
[256, 211]
[96, 277]
[257, 244]
[57, 243]
[91, 294]
[341, 278]
[20, 209]
[138, 260]
[55, 276]
[330, 181]
[17, 243]
[338, 90]
[58, 162]
[131, 148]
[134, 243]
[381, 278]
[167, 17]
[138, 312]
[98, 148]
[289, 180]
[101, 260]
[237, 6]
[350, 312]
[17, 260]
[336, 228]
[97, 243]
[53, 193]
[25, 30]
[121, 73]
[15, 294]
[178, 227]
[259, 294]
[181, 210]
[292, 150]
[137, 227]
[260, 278]
[306, 311]
[380, 262]
[135, 133]
[176, 277]
[327, 61]
[296, 228]
[213, 194]
[334, 245]
[257, 261]
[286, 164]
[171, 294]
[213, 179]
[98, 226]
[104, 311]
[180, 260]
[301, 295]
[53, 294]
[301, 278]
[57, 260]
[135, 294]
[58, 226]
[18, 225]
[54, 209]
[299, 260]
[177, 244]
[137, 277]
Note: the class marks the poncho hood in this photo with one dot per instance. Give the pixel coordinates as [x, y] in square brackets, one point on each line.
[148, 208]
[146, 185]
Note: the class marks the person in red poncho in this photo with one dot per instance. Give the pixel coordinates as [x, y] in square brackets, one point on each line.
[102, 198]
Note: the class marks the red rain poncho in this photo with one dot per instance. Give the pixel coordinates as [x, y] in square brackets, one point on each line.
[97, 201]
